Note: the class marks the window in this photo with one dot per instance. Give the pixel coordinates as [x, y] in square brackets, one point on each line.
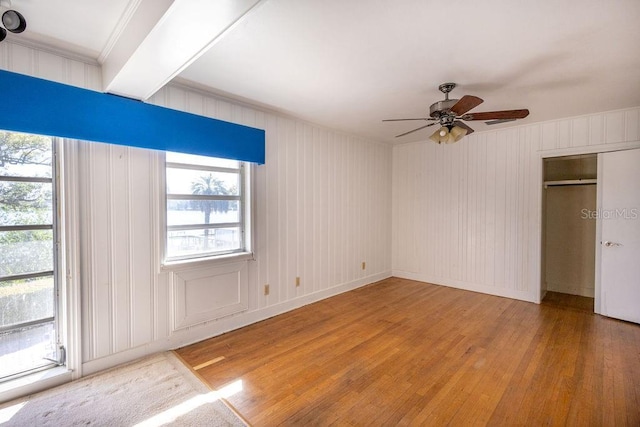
[207, 205]
[28, 286]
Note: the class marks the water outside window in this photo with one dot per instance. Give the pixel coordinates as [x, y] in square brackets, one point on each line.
[204, 206]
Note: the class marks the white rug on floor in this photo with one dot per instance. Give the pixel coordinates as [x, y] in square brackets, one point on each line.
[153, 391]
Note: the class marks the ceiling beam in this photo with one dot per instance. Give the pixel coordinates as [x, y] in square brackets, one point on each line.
[143, 16]
[162, 38]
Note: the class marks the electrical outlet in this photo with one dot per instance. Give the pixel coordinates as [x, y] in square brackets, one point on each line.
[364, 265]
[297, 281]
[266, 289]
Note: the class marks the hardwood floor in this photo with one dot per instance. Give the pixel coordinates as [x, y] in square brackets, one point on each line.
[575, 302]
[401, 352]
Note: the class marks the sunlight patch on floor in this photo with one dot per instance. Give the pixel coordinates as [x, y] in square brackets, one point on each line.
[7, 413]
[172, 414]
[208, 363]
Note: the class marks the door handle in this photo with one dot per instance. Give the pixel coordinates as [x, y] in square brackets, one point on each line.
[611, 244]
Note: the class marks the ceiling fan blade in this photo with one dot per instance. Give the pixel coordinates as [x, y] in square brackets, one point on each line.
[400, 120]
[415, 130]
[497, 122]
[497, 115]
[465, 104]
[463, 125]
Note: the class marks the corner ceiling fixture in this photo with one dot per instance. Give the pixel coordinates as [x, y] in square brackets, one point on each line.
[448, 113]
[12, 20]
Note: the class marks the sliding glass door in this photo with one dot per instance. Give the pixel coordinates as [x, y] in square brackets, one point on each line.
[28, 285]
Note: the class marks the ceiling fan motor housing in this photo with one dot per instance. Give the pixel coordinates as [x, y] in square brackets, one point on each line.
[441, 108]
[448, 113]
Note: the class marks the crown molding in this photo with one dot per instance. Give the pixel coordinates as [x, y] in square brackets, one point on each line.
[124, 20]
[44, 45]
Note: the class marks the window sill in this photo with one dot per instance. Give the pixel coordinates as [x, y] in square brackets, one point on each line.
[206, 261]
[34, 383]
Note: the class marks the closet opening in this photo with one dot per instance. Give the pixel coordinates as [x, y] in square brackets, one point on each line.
[569, 231]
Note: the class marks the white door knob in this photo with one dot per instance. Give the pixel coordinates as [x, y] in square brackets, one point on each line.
[611, 244]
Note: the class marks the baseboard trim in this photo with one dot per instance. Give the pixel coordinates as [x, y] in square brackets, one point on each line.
[572, 290]
[217, 327]
[467, 286]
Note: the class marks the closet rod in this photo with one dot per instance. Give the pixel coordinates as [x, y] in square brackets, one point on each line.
[570, 182]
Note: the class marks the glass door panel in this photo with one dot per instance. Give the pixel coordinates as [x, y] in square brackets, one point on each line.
[28, 305]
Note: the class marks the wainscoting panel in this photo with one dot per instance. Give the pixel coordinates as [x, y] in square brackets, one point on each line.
[468, 215]
[207, 294]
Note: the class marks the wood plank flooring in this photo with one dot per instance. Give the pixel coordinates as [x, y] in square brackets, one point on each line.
[400, 352]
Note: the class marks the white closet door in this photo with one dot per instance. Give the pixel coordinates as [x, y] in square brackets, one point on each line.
[620, 224]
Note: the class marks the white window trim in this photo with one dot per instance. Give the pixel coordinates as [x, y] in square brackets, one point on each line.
[67, 221]
[34, 383]
[69, 253]
[248, 186]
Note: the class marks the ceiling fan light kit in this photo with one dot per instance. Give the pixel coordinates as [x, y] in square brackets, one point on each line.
[12, 20]
[448, 135]
[450, 113]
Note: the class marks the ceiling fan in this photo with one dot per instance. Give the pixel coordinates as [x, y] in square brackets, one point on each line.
[449, 114]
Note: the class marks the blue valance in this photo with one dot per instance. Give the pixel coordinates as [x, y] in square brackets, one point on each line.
[44, 107]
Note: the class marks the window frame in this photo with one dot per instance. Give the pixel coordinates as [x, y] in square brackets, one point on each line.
[245, 213]
[55, 273]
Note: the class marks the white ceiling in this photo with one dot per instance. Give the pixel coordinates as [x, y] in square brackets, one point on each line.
[80, 26]
[349, 64]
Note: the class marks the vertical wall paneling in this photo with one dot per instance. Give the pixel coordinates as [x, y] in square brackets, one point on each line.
[580, 131]
[260, 239]
[308, 210]
[615, 127]
[100, 227]
[120, 233]
[19, 59]
[465, 215]
[596, 130]
[297, 207]
[339, 192]
[468, 215]
[315, 178]
[141, 247]
[564, 134]
[155, 205]
[287, 179]
[324, 214]
[320, 199]
[312, 208]
[272, 253]
[632, 125]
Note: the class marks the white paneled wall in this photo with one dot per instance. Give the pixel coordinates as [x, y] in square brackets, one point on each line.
[464, 215]
[117, 239]
[44, 64]
[322, 207]
[468, 215]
